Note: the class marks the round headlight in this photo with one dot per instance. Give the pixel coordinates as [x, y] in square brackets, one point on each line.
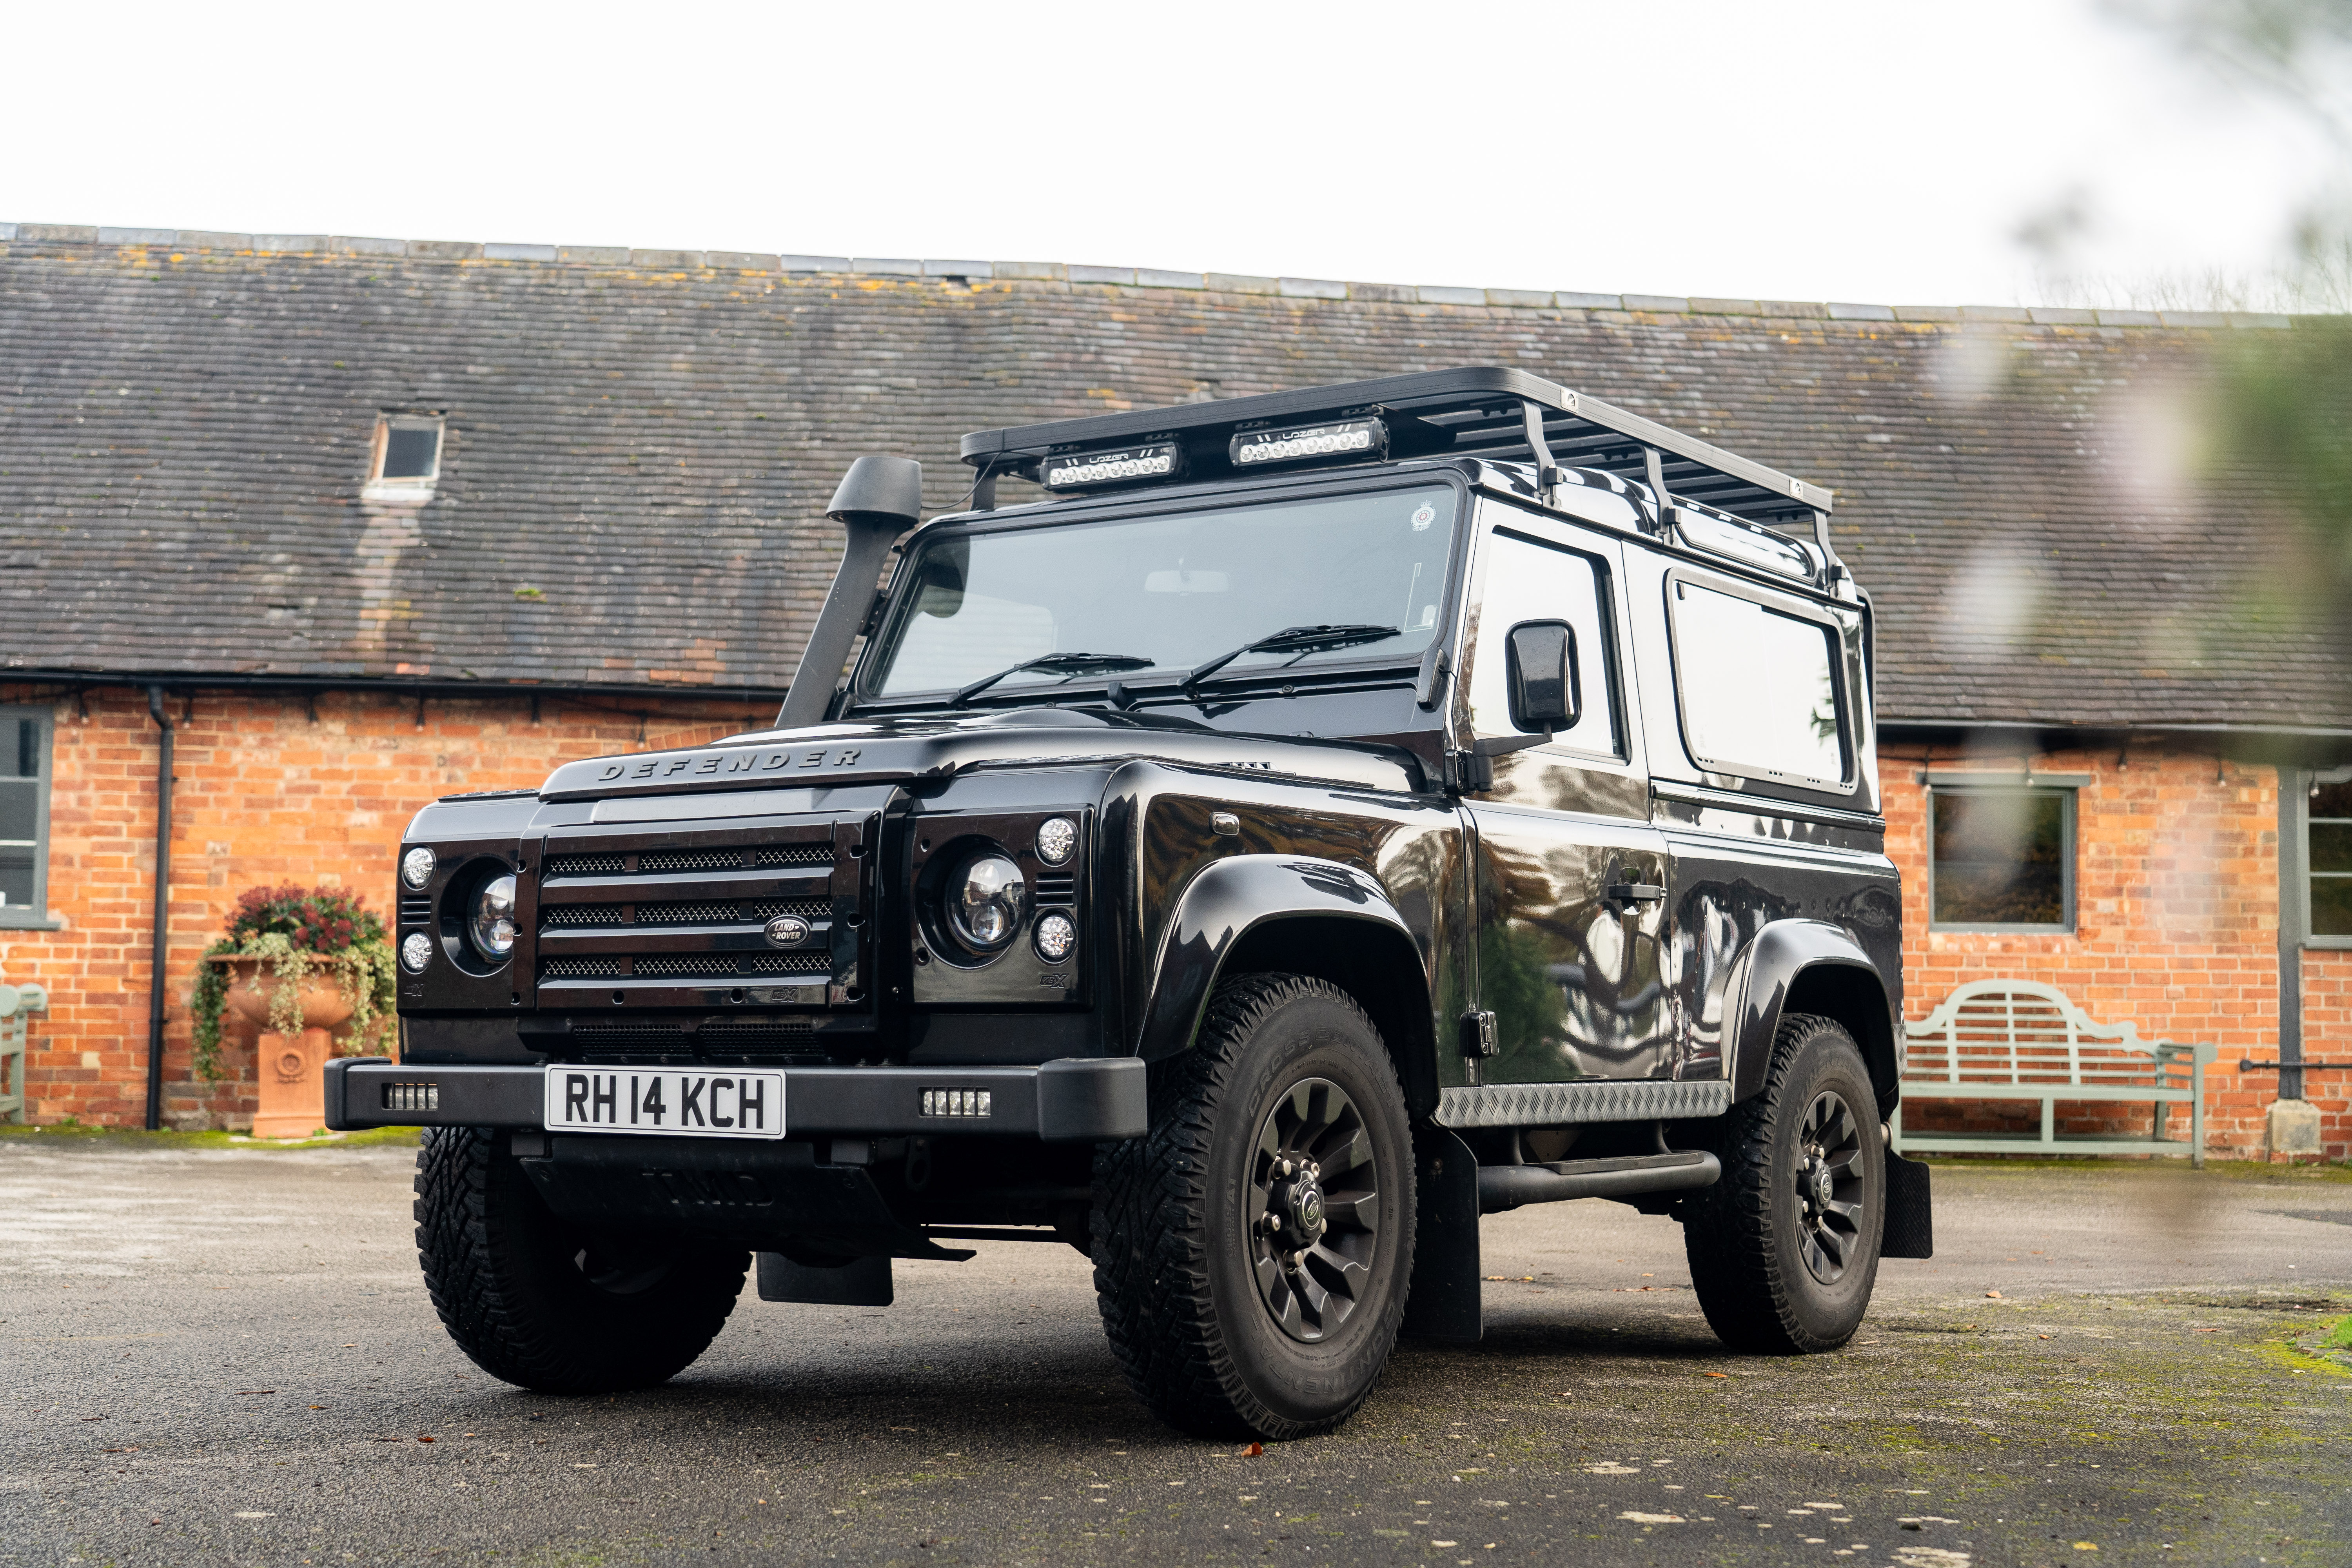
[987, 899]
[1056, 836]
[416, 867]
[416, 951]
[1055, 936]
[493, 925]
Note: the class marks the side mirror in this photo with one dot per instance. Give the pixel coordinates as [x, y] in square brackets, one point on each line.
[1540, 662]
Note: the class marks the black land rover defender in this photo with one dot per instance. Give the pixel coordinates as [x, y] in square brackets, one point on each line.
[1327, 818]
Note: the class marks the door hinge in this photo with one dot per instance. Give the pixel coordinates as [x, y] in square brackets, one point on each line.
[1478, 1034]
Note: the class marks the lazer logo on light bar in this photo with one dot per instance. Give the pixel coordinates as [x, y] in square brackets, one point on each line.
[1081, 470]
[1349, 438]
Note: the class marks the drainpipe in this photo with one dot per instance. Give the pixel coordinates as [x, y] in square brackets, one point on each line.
[162, 911]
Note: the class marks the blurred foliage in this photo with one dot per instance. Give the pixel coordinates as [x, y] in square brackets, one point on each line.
[2282, 409]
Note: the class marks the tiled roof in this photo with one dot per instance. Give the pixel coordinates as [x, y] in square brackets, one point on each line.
[647, 437]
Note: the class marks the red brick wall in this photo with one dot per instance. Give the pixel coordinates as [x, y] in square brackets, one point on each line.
[2176, 889]
[263, 795]
[2327, 1036]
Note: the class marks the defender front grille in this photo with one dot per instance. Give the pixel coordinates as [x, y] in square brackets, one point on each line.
[686, 914]
[795, 855]
[691, 860]
[735, 964]
[587, 865]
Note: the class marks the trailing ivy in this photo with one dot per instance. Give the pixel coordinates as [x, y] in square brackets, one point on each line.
[296, 935]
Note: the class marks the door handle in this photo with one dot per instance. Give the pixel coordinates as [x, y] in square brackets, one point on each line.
[1634, 893]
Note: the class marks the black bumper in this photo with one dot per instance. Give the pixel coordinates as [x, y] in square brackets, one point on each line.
[1076, 1099]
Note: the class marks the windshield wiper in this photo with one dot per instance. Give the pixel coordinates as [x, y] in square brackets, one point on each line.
[1295, 639]
[1058, 664]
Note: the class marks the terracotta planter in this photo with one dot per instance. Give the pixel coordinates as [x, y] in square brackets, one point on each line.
[324, 1005]
[291, 1084]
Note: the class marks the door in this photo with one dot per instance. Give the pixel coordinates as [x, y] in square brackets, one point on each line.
[1570, 887]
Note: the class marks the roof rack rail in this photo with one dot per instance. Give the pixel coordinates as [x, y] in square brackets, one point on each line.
[1489, 411]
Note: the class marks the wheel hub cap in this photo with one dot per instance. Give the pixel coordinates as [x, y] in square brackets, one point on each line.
[1828, 1188]
[1312, 1209]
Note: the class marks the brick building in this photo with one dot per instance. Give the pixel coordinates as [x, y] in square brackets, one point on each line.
[364, 522]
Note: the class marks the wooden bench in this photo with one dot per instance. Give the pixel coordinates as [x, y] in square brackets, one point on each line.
[2016, 1040]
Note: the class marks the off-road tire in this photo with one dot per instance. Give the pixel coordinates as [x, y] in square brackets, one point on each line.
[1183, 1308]
[1745, 1235]
[508, 1277]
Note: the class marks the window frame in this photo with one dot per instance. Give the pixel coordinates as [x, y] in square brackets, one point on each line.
[36, 915]
[1497, 520]
[1842, 691]
[2070, 848]
[415, 487]
[2306, 779]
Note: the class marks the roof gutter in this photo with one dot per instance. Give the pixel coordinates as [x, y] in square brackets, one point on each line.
[190, 681]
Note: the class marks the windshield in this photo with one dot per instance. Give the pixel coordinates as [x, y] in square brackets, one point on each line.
[1171, 592]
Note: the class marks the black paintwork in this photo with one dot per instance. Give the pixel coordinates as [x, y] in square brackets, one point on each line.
[1321, 820]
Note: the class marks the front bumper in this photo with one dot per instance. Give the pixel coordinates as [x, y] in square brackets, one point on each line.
[1073, 1100]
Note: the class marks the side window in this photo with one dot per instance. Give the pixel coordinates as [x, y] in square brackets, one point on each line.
[1526, 581]
[1757, 692]
[23, 815]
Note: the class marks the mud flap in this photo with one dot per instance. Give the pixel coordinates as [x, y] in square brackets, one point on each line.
[1910, 1219]
[1444, 1304]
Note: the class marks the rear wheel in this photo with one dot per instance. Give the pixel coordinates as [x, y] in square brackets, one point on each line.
[1252, 1251]
[1784, 1249]
[539, 1302]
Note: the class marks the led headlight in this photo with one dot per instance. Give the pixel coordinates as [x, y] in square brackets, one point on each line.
[416, 868]
[1054, 937]
[493, 925]
[416, 951]
[1056, 836]
[986, 900]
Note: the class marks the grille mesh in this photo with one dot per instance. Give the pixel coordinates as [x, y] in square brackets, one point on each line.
[688, 963]
[688, 914]
[795, 855]
[691, 860]
[807, 908]
[579, 968]
[587, 865]
[582, 915]
[791, 963]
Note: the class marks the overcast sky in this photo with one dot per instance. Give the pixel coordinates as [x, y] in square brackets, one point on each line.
[1805, 150]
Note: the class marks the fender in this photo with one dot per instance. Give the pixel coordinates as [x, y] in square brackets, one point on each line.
[1227, 901]
[1790, 956]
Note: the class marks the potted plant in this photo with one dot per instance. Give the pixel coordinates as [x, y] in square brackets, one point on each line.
[298, 963]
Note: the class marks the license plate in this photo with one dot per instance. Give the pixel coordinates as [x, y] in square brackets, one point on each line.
[689, 1104]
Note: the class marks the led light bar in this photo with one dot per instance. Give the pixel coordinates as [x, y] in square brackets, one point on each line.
[959, 1102]
[1305, 443]
[1128, 465]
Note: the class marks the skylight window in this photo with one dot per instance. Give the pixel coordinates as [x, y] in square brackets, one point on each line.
[407, 460]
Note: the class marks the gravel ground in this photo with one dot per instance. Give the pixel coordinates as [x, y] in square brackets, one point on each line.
[225, 1355]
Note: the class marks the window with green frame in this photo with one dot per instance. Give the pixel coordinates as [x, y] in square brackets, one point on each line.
[2327, 854]
[23, 817]
[2000, 858]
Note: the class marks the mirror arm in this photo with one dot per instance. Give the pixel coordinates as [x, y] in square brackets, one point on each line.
[1508, 743]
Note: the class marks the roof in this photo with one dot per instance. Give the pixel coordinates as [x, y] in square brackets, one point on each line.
[647, 439]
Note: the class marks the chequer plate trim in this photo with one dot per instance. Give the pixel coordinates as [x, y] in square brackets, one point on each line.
[1553, 1104]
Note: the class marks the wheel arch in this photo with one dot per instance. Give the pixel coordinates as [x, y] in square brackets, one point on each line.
[1293, 914]
[1811, 966]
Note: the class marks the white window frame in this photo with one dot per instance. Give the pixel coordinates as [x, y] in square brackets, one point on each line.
[414, 488]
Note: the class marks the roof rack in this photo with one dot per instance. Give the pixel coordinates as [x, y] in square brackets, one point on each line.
[1489, 411]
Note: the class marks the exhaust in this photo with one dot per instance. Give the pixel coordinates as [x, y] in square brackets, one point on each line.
[878, 499]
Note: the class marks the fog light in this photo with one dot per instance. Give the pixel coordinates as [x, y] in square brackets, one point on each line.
[416, 867]
[416, 951]
[1056, 836]
[1055, 936]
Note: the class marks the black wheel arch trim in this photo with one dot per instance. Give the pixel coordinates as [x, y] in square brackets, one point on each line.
[1809, 966]
[1280, 912]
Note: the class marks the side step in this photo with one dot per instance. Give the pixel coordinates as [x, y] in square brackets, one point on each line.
[1501, 1187]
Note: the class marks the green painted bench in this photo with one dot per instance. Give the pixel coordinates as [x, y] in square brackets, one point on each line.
[16, 1003]
[2017, 1040]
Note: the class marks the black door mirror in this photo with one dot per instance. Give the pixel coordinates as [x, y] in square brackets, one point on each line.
[1540, 660]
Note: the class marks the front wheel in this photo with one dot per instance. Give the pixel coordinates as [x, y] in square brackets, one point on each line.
[537, 1301]
[1252, 1251]
[1784, 1248]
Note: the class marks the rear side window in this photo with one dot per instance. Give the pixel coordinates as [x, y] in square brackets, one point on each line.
[1757, 689]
